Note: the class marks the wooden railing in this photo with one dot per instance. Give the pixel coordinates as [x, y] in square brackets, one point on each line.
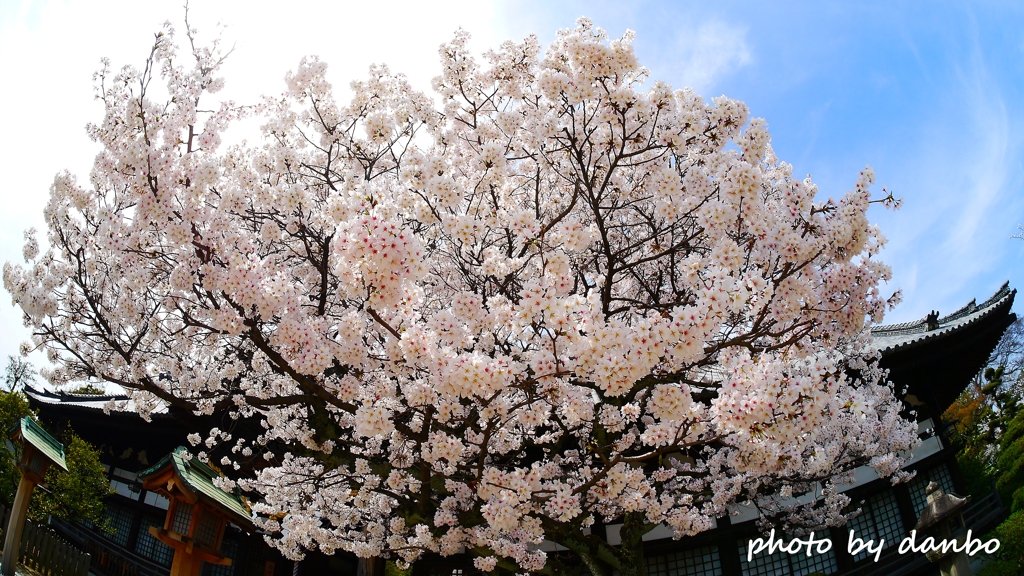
[984, 514]
[109, 559]
[47, 553]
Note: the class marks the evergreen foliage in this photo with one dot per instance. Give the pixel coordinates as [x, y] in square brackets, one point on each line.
[76, 494]
[13, 407]
[1009, 559]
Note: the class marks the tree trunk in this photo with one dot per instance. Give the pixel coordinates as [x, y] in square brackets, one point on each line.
[595, 566]
[631, 550]
[600, 558]
[370, 567]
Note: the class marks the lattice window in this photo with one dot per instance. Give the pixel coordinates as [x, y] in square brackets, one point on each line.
[37, 463]
[228, 548]
[940, 475]
[149, 546]
[785, 564]
[763, 564]
[696, 562]
[803, 564]
[880, 518]
[209, 525]
[120, 519]
[182, 517]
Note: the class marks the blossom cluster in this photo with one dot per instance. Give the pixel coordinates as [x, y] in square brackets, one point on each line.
[551, 295]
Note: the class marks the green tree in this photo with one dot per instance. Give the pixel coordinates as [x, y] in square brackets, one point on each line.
[970, 416]
[982, 414]
[13, 406]
[989, 426]
[76, 494]
[1009, 559]
[1009, 464]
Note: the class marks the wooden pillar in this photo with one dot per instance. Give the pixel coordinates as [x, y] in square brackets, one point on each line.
[370, 567]
[728, 544]
[186, 564]
[16, 525]
[38, 451]
[844, 560]
[906, 506]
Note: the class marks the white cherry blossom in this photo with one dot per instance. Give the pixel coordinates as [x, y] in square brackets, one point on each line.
[550, 295]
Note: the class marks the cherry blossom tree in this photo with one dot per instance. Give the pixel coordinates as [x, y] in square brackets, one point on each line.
[552, 296]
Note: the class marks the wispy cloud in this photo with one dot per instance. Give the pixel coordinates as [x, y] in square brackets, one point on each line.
[964, 204]
[701, 56]
[987, 159]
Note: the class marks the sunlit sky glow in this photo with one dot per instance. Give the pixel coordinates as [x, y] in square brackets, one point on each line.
[930, 94]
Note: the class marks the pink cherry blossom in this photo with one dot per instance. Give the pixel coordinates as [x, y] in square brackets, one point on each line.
[549, 294]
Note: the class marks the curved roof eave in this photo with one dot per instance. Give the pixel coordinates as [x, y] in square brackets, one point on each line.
[893, 337]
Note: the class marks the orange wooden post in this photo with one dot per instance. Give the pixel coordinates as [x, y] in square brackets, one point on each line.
[38, 451]
[198, 512]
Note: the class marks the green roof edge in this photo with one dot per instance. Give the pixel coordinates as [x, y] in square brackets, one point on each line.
[48, 445]
[229, 501]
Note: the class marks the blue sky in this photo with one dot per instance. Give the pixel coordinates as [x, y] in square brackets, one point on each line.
[930, 94]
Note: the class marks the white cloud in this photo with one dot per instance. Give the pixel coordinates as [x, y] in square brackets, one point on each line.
[987, 155]
[703, 56]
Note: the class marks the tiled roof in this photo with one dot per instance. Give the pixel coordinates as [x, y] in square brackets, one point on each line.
[199, 478]
[116, 402]
[892, 337]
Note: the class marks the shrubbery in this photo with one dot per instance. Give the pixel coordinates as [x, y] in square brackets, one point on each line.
[76, 494]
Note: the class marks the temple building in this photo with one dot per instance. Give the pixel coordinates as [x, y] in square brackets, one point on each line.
[930, 361]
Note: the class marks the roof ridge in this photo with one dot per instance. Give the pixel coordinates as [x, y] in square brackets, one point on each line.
[999, 295]
[62, 394]
[889, 338]
[970, 308]
[901, 328]
[915, 326]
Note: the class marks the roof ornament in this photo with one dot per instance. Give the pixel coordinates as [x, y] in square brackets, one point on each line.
[932, 320]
